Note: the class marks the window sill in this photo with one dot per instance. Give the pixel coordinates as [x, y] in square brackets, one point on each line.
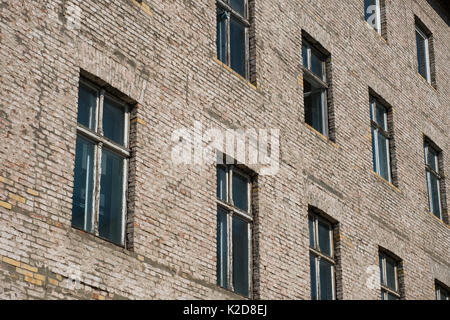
[426, 82]
[105, 241]
[437, 219]
[396, 189]
[232, 294]
[321, 135]
[251, 85]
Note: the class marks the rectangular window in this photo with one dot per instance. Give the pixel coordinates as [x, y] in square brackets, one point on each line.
[101, 162]
[315, 88]
[321, 258]
[380, 139]
[389, 277]
[234, 229]
[442, 292]
[372, 14]
[423, 53]
[434, 177]
[232, 34]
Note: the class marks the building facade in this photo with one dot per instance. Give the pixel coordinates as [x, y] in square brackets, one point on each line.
[105, 191]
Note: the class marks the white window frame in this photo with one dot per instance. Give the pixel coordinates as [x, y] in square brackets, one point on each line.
[373, 107]
[384, 288]
[232, 211]
[433, 171]
[318, 255]
[427, 53]
[96, 137]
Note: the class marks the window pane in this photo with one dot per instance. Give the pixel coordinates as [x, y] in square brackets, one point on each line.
[374, 149]
[111, 197]
[383, 157]
[238, 5]
[221, 183]
[443, 294]
[240, 191]
[113, 121]
[221, 36]
[326, 280]
[392, 297]
[312, 272]
[434, 193]
[324, 238]
[390, 273]
[380, 261]
[240, 256]
[222, 248]
[421, 55]
[370, 12]
[83, 184]
[314, 113]
[237, 47]
[432, 159]
[305, 54]
[87, 102]
[317, 65]
[381, 114]
[311, 231]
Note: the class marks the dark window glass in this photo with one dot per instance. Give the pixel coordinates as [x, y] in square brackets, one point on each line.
[421, 55]
[317, 65]
[381, 114]
[390, 273]
[314, 111]
[237, 47]
[391, 296]
[369, 9]
[312, 272]
[383, 156]
[240, 256]
[239, 6]
[83, 185]
[87, 102]
[221, 36]
[113, 121]
[305, 54]
[311, 231]
[111, 197]
[240, 191]
[326, 280]
[221, 183]
[324, 238]
[380, 261]
[222, 248]
[432, 159]
[434, 194]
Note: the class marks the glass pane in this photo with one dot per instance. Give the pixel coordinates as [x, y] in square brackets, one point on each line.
[314, 111]
[317, 65]
[113, 121]
[222, 248]
[381, 114]
[432, 159]
[238, 5]
[240, 256]
[392, 297]
[221, 183]
[305, 54]
[383, 157]
[380, 261]
[443, 294]
[421, 58]
[374, 149]
[311, 231]
[326, 280]
[83, 185]
[390, 273]
[240, 191]
[370, 12]
[87, 102]
[237, 47]
[111, 197]
[324, 238]
[221, 36]
[434, 192]
[312, 272]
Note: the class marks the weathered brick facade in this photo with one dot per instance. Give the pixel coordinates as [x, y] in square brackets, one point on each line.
[161, 54]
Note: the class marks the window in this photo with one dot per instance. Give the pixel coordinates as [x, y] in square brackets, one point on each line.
[434, 176]
[315, 88]
[380, 139]
[321, 258]
[423, 53]
[101, 162]
[389, 277]
[234, 229]
[372, 14]
[232, 34]
[442, 292]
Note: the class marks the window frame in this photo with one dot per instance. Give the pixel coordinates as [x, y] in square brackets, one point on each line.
[385, 289]
[429, 170]
[100, 142]
[318, 254]
[310, 76]
[225, 6]
[374, 103]
[426, 39]
[231, 211]
[438, 288]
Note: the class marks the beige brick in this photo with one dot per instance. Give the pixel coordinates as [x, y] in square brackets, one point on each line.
[16, 197]
[11, 261]
[5, 205]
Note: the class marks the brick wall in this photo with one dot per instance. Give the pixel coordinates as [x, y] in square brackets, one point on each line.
[161, 54]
